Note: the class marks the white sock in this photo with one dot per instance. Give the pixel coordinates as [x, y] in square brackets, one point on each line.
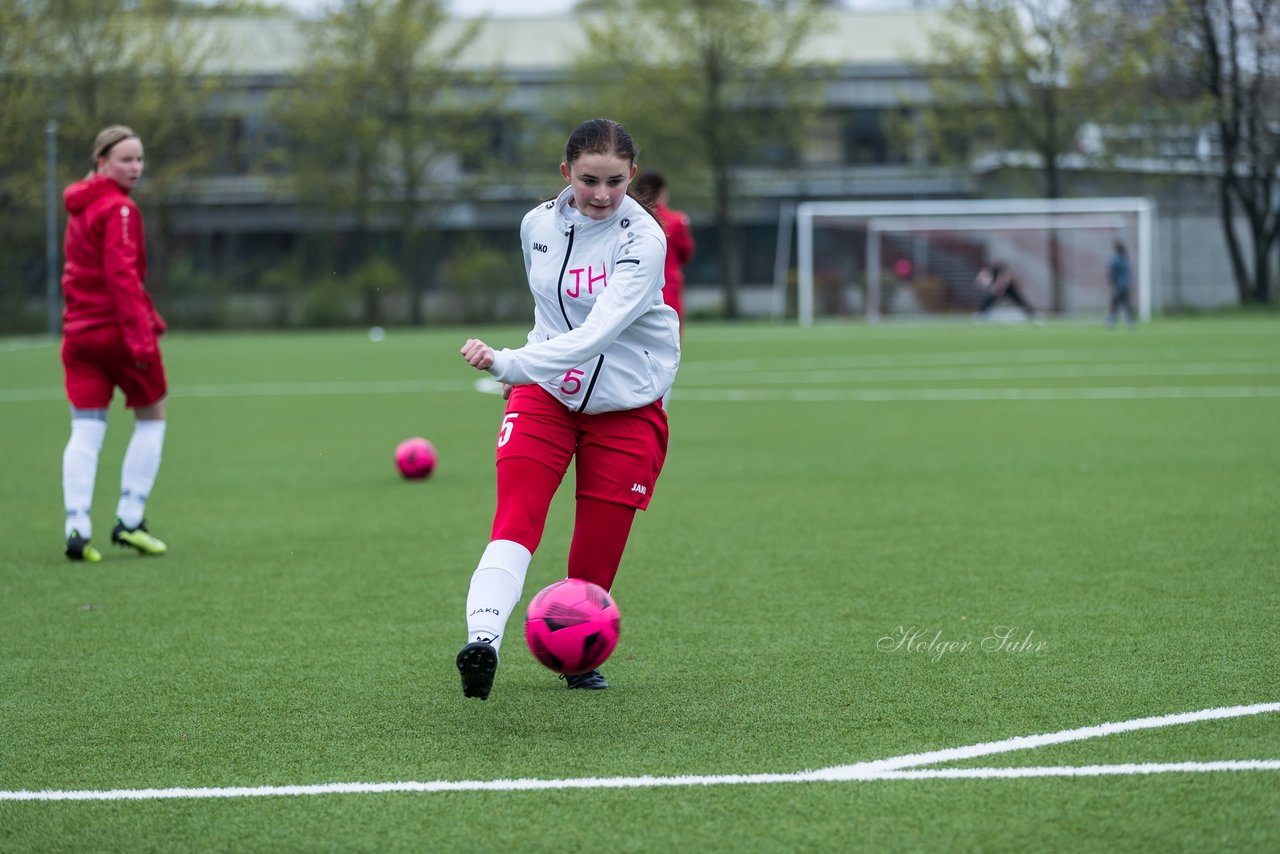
[495, 589]
[138, 474]
[80, 469]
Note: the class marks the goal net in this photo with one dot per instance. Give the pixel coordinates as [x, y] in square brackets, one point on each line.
[922, 258]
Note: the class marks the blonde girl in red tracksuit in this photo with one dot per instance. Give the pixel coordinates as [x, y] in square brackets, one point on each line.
[110, 339]
[587, 386]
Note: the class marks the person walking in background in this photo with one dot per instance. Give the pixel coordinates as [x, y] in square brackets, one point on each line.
[995, 280]
[1120, 277]
[589, 384]
[652, 187]
[110, 338]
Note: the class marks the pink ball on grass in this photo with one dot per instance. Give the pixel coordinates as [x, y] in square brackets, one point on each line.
[572, 626]
[416, 458]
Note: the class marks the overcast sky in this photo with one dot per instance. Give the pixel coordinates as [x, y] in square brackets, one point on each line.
[547, 7]
[511, 7]
[473, 7]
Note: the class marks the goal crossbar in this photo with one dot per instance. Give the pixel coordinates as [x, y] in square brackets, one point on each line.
[965, 215]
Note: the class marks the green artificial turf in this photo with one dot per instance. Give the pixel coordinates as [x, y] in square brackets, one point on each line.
[851, 519]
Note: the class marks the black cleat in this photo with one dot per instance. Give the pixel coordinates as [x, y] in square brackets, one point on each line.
[138, 538]
[78, 548]
[591, 681]
[477, 662]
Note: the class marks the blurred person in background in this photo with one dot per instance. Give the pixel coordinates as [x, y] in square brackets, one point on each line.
[588, 387]
[652, 187]
[1120, 278]
[995, 281]
[111, 335]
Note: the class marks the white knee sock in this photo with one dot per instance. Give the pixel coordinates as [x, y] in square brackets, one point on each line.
[138, 474]
[80, 469]
[495, 589]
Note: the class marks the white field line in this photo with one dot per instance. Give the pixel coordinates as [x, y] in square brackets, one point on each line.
[926, 329]
[693, 391]
[952, 358]
[30, 344]
[894, 768]
[897, 395]
[791, 377]
[282, 389]
[1029, 742]
[716, 395]
[1078, 770]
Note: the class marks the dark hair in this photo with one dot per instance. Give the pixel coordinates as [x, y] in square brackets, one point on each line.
[605, 136]
[599, 136]
[648, 185]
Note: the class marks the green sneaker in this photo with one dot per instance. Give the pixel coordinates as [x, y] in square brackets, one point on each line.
[138, 538]
[78, 548]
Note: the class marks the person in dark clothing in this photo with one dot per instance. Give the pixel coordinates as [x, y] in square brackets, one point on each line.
[1120, 278]
[995, 280]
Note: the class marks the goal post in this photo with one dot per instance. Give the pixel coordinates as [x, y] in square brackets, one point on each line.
[920, 258]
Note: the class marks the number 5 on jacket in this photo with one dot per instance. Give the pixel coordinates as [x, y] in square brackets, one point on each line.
[572, 384]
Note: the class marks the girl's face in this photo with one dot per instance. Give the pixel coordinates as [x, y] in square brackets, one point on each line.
[123, 163]
[599, 183]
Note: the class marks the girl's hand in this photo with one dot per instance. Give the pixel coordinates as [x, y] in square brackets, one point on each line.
[478, 354]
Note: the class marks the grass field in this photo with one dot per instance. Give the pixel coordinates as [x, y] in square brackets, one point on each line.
[870, 542]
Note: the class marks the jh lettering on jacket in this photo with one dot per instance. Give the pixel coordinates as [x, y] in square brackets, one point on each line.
[576, 290]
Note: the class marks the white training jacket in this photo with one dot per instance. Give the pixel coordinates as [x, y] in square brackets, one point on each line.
[602, 339]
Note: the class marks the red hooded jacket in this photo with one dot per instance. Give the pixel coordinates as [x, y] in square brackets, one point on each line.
[106, 267]
[679, 249]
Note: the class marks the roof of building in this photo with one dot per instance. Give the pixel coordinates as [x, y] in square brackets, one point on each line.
[276, 45]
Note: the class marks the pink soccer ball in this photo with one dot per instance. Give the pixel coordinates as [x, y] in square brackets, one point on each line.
[416, 458]
[572, 626]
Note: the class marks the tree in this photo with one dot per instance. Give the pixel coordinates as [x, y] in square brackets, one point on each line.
[22, 129]
[1231, 47]
[19, 120]
[89, 63]
[1206, 70]
[1003, 74]
[1010, 76]
[704, 86]
[380, 118]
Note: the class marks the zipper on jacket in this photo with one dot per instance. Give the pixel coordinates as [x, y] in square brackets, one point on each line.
[595, 375]
[560, 279]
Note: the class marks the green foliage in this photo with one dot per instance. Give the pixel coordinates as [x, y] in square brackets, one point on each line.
[338, 300]
[282, 281]
[378, 120]
[329, 302]
[485, 282]
[703, 87]
[86, 64]
[124, 62]
[1205, 76]
[1004, 76]
[199, 298]
[20, 124]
